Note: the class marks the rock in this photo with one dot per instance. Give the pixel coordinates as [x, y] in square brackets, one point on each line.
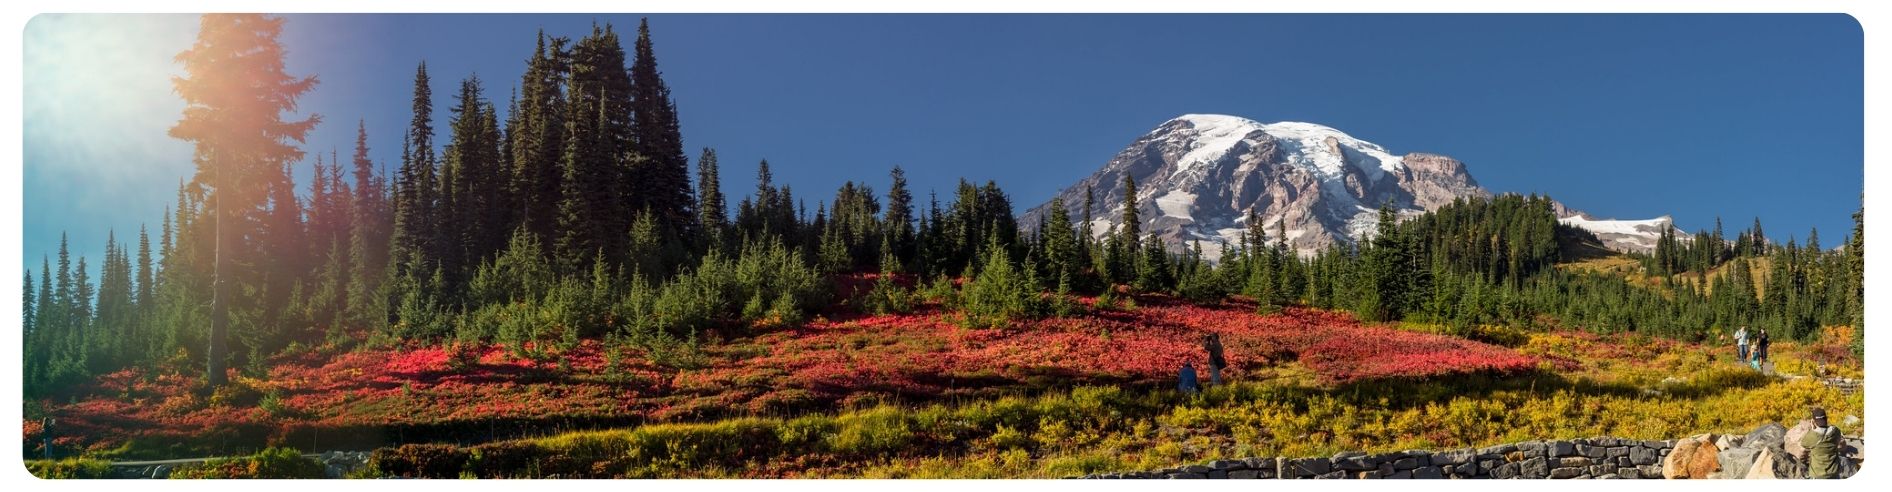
[1311, 466]
[1609, 476]
[1428, 472]
[1466, 470]
[1452, 458]
[1573, 461]
[1532, 448]
[1727, 442]
[1791, 440]
[1538, 467]
[1499, 450]
[1408, 463]
[1692, 458]
[1600, 470]
[1649, 471]
[1400, 475]
[1357, 462]
[1195, 469]
[1593, 452]
[1244, 474]
[1767, 435]
[1644, 456]
[1187, 475]
[1773, 463]
[1333, 475]
[1565, 472]
[1218, 474]
[1560, 449]
[1630, 473]
[1735, 462]
[1505, 471]
[1259, 463]
[1228, 465]
[1614, 452]
[1850, 422]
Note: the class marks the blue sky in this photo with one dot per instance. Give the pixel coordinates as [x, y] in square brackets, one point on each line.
[1693, 116]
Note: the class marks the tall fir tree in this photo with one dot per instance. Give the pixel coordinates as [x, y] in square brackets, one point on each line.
[712, 211]
[235, 74]
[661, 181]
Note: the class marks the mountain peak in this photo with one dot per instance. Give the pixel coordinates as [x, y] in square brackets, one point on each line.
[1200, 176]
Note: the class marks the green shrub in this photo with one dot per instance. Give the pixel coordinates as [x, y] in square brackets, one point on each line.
[270, 463]
[878, 432]
[69, 468]
[419, 461]
[887, 297]
[999, 295]
[506, 459]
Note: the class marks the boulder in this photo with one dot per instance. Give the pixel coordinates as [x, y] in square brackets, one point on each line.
[1774, 463]
[1565, 472]
[1735, 461]
[1428, 472]
[1791, 440]
[1725, 441]
[1768, 435]
[1692, 458]
[1507, 470]
[1562, 448]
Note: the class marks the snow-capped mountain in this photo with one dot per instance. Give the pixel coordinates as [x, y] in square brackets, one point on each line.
[1198, 176]
[1625, 235]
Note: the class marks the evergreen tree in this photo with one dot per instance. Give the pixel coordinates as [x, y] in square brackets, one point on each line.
[1061, 242]
[662, 182]
[712, 212]
[415, 200]
[537, 139]
[898, 224]
[235, 73]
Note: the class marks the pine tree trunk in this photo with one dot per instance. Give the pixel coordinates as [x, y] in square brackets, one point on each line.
[219, 299]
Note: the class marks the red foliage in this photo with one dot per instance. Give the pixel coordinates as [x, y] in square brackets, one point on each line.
[910, 356]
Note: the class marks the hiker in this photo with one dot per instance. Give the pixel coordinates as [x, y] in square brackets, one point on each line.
[1212, 343]
[1740, 343]
[1186, 381]
[1760, 346]
[1822, 443]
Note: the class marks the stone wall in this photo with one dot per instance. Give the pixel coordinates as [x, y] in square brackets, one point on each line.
[1600, 457]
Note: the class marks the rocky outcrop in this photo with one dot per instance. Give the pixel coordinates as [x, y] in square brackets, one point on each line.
[1758, 455]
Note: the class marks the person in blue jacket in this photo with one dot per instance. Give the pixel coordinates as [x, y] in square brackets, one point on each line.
[1186, 380]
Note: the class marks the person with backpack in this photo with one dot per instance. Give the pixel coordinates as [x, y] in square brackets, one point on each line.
[1822, 443]
[1212, 343]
